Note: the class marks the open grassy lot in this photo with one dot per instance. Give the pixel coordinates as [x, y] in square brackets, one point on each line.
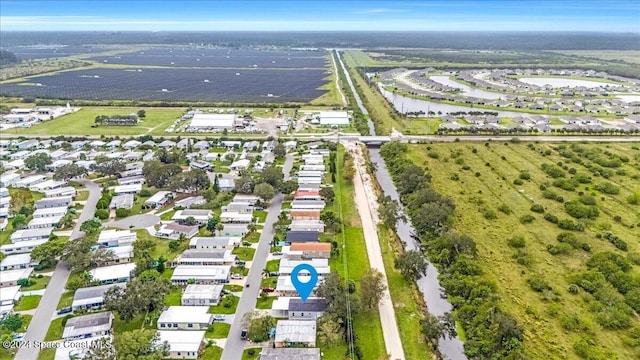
[265, 303]
[66, 299]
[174, 297]
[244, 253]
[79, 123]
[212, 352]
[28, 302]
[55, 330]
[230, 300]
[251, 354]
[220, 331]
[162, 246]
[495, 187]
[38, 283]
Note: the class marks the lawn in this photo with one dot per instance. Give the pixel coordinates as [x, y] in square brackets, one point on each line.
[221, 309]
[498, 165]
[406, 300]
[162, 246]
[38, 284]
[220, 331]
[261, 215]
[233, 288]
[273, 265]
[254, 237]
[246, 355]
[81, 195]
[174, 298]
[47, 354]
[269, 282]
[168, 215]
[55, 330]
[244, 253]
[66, 299]
[79, 123]
[28, 303]
[265, 302]
[120, 326]
[212, 353]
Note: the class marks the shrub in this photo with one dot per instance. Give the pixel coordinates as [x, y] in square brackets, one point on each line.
[559, 249]
[616, 241]
[102, 214]
[580, 211]
[518, 182]
[454, 177]
[607, 188]
[554, 171]
[145, 193]
[517, 242]
[538, 284]
[582, 178]
[477, 174]
[551, 218]
[525, 175]
[122, 212]
[433, 154]
[505, 209]
[569, 238]
[573, 289]
[466, 167]
[537, 208]
[587, 199]
[549, 194]
[489, 214]
[564, 184]
[527, 219]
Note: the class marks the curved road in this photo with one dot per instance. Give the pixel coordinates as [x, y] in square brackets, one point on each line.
[49, 302]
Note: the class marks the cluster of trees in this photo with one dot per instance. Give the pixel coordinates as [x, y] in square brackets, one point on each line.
[271, 179]
[38, 162]
[490, 331]
[69, 171]
[108, 167]
[344, 304]
[143, 295]
[169, 174]
[130, 345]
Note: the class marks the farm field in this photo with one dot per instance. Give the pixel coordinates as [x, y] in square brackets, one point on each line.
[79, 123]
[568, 289]
[180, 84]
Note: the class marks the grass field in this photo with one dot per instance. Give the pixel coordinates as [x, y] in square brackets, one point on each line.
[79, 123]
[488, 184]
[244, 253]
[220, 309]
[630, 56]
[220, 331]
[28, 303]
[212, 352]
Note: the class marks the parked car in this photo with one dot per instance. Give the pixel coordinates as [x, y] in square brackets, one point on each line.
[243, 334]
[219, 317]
[277, 253]
[65, 310]
[237, 276]
[268, 289]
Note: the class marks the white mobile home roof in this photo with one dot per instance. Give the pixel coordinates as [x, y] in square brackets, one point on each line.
[182, 340]
[185, 314]
[201, 272]
[112, 272]
[216, 121]
[22, 246]
[296, 331]
[50, 221]
[334, 118]
[127, 188]
[15, 275]
[30, 234]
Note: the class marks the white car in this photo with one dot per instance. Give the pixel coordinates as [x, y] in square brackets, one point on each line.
[219, 317]
[237, 276]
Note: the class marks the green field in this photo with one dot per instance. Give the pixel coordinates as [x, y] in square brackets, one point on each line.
[557, 323]
[79, 123]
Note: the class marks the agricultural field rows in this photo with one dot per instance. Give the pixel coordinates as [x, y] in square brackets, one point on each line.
[571, 289]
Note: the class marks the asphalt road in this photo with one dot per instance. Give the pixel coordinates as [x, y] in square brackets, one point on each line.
[247, 303]
[49, 302]
[234, 345]
[390, 332]
[141, 221]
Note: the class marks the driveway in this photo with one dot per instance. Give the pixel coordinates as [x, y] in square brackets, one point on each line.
[142, 221]
[49, 302]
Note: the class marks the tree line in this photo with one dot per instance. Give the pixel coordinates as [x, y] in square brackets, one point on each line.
[491, 332]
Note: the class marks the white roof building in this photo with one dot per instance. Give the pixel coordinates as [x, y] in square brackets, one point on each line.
[11, 277]
[212, 121]
[127, 189]
[182, 344]
[176, 317]
[201, 295]
[113, 273]
[329, 118]
[88, 326]
[116, 237]
[295, 332]
[201, 274]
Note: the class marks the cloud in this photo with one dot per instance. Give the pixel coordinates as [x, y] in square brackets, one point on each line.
[378, 11]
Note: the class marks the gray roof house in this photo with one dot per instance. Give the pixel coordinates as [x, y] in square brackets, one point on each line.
[301, 236]
[87, 326]
[312, 309]
[91, 298]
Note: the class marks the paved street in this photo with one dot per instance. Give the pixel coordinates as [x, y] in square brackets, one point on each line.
[141, 221]
[234, 346]
[47, 307]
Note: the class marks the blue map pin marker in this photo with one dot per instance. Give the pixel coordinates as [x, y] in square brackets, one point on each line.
[304, 289]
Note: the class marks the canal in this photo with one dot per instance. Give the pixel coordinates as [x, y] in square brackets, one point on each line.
[428, 285]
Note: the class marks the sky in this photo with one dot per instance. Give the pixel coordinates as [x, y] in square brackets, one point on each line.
[327, 15]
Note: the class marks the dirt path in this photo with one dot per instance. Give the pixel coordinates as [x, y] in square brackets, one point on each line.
[367, 207]
[335, 68]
